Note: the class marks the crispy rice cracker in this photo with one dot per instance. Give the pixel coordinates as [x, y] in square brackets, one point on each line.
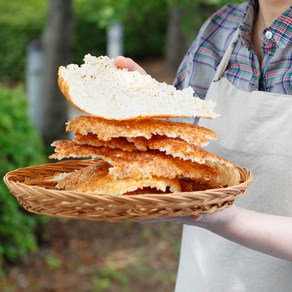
[227, 172]
[136, 164]
[108, 129]
[96, 178]
[92, 139]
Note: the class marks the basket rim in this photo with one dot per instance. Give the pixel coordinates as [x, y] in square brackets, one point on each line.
[115, 208]
[8, 180]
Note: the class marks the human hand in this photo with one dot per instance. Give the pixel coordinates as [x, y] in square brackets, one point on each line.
[128, 63]
[212, 222]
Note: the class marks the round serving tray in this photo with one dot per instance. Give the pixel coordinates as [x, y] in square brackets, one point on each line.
[33, 191]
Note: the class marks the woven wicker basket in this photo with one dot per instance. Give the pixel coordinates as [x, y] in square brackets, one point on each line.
[37, 196]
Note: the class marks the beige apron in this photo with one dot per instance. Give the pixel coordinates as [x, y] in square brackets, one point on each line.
[255, 131]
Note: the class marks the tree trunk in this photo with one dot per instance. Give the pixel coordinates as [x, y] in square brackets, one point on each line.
[57, 45]
[176, 42]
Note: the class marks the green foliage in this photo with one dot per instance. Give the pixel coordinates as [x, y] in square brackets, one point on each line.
[20, 146]
[145, 27]
[20, 21]
[146, 38]
[53, 262]
[89, 36]
[23, 21]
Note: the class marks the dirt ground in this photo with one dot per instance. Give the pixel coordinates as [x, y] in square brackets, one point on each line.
[89, 256]
[97, 256]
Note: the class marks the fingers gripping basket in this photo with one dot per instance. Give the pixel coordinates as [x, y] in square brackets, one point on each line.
[36, 195]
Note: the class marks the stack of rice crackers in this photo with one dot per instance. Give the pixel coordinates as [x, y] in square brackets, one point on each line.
[137, 156]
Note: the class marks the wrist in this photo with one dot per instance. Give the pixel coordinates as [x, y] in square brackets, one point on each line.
[218, 220]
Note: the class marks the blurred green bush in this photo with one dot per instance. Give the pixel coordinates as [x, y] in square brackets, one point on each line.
[24, 21]
[20, 146]
[145, 27]
[20, 22]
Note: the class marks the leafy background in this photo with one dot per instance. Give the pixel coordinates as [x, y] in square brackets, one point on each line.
[35, 249]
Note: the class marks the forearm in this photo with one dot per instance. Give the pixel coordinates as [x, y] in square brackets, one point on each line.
[262, 232]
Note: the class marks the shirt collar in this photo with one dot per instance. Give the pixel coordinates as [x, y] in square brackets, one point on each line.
[281, 28]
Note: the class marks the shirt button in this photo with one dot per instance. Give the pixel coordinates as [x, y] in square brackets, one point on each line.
[268, 34]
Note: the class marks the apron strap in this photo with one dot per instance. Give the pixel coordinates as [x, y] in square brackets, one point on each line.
[225, 59]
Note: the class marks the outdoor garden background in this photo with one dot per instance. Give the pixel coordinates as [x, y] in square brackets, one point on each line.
[38, 253]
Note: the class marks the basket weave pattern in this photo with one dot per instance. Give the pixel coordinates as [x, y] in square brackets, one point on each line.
[36, 195]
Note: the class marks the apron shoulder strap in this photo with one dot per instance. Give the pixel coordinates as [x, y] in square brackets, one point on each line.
[225, 59]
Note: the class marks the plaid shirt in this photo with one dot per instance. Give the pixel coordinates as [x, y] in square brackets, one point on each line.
[275, 74]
